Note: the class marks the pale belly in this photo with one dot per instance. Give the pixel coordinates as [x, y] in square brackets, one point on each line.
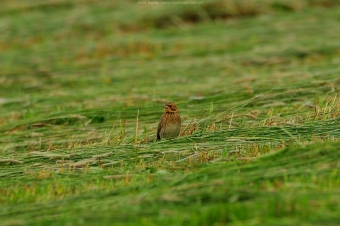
[171, 131]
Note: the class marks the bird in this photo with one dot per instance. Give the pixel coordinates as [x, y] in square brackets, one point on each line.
[169, 125]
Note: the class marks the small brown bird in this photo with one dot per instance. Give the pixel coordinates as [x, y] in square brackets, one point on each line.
[169, 124]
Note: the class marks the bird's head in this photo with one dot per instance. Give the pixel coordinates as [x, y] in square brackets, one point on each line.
[170, 108]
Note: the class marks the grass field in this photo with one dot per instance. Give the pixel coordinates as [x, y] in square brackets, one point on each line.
[257, 84]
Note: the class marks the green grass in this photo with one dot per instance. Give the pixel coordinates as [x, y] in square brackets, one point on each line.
[257, 84]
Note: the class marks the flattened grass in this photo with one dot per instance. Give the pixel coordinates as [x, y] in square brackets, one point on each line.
[258, 95]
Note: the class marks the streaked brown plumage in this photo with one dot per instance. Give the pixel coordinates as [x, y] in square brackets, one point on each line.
[169, 125]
